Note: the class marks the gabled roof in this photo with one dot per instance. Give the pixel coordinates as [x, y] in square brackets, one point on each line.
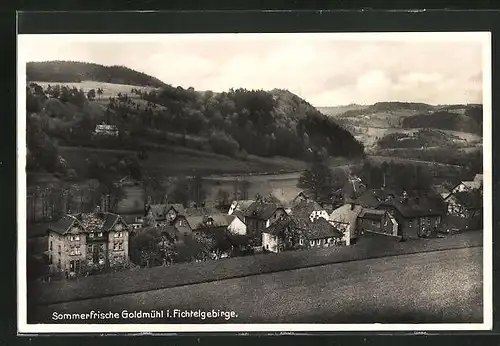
[160, 211]
[305, 208]
[261, 210]
[441, 190]
[372, 214]
[88, 222]
[63, 225]
[409, 203]
[200, 211]
[346, 214]
[241, 204]
[317, 229]
[202, 222]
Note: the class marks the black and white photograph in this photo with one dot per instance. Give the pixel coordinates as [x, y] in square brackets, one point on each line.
[254, 182]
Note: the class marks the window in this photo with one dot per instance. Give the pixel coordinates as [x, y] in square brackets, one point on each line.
[101, 247]
[118, 234]
[75, 250]
[91, 235]
[99, 234]
[59, 263]
[90, 248]
[318, 242]
[118, 246]
[75, 237]
[59, 249]
[374, 223]
[410, 223]
[301, 241]
[311, 242]
[50, 246]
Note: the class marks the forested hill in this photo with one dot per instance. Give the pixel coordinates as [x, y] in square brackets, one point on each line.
[73, 72]
[233, 123]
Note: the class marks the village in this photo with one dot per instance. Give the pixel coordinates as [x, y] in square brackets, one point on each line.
[164, 234]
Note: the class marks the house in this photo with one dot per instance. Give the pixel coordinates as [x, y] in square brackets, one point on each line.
[134, 221]
[309, 209]
[106, 130]
[475, 184]
[377, 221]
[163, 214]
[303, 196]
[206, 223]
[181, 224]
[344, 219]
[236, 225]
[259, 216]
[199, 211]
[240, 205]
[88, 239]
[291, 233]
[417, 214]
[465, 210]
[441, 190]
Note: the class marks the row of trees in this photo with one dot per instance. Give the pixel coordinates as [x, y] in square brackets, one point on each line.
[322, 182]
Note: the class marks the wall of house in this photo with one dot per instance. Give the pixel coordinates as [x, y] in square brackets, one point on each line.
[61, 259]
[345, 228]
[319, 213]
[365, 224]
[270, 242]
[419, 226]
[237, 227]
[277, 214]
[171, 215]
[118, 235]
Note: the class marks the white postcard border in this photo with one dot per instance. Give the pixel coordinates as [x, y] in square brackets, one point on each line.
[25, 328]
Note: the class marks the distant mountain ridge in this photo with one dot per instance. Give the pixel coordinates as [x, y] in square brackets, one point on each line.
[73, 72]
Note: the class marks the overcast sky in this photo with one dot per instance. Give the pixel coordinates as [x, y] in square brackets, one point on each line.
[325, 72]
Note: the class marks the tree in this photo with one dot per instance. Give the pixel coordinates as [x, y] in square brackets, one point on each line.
[91, 94]
[244, 186]
[318, 179]
[222, 197]
[145, 247]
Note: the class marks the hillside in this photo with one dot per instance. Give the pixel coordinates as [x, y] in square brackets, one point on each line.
[337, 110]
[72, 71]
[468, 120]
[244, 125]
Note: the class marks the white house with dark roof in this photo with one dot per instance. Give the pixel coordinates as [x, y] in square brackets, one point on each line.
[78, 241]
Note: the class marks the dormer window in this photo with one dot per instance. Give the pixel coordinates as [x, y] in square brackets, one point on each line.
[118, 234]
[99, 234]
[91, 235]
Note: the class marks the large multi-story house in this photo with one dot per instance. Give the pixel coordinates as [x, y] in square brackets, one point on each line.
[417, 214]
[97, 239]
[259, 216]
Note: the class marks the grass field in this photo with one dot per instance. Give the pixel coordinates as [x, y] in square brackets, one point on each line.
[179, 161]
[190, 273]
[109, 89]
[434, 287]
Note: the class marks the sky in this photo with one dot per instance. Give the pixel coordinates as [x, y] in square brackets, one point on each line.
[326, 70]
